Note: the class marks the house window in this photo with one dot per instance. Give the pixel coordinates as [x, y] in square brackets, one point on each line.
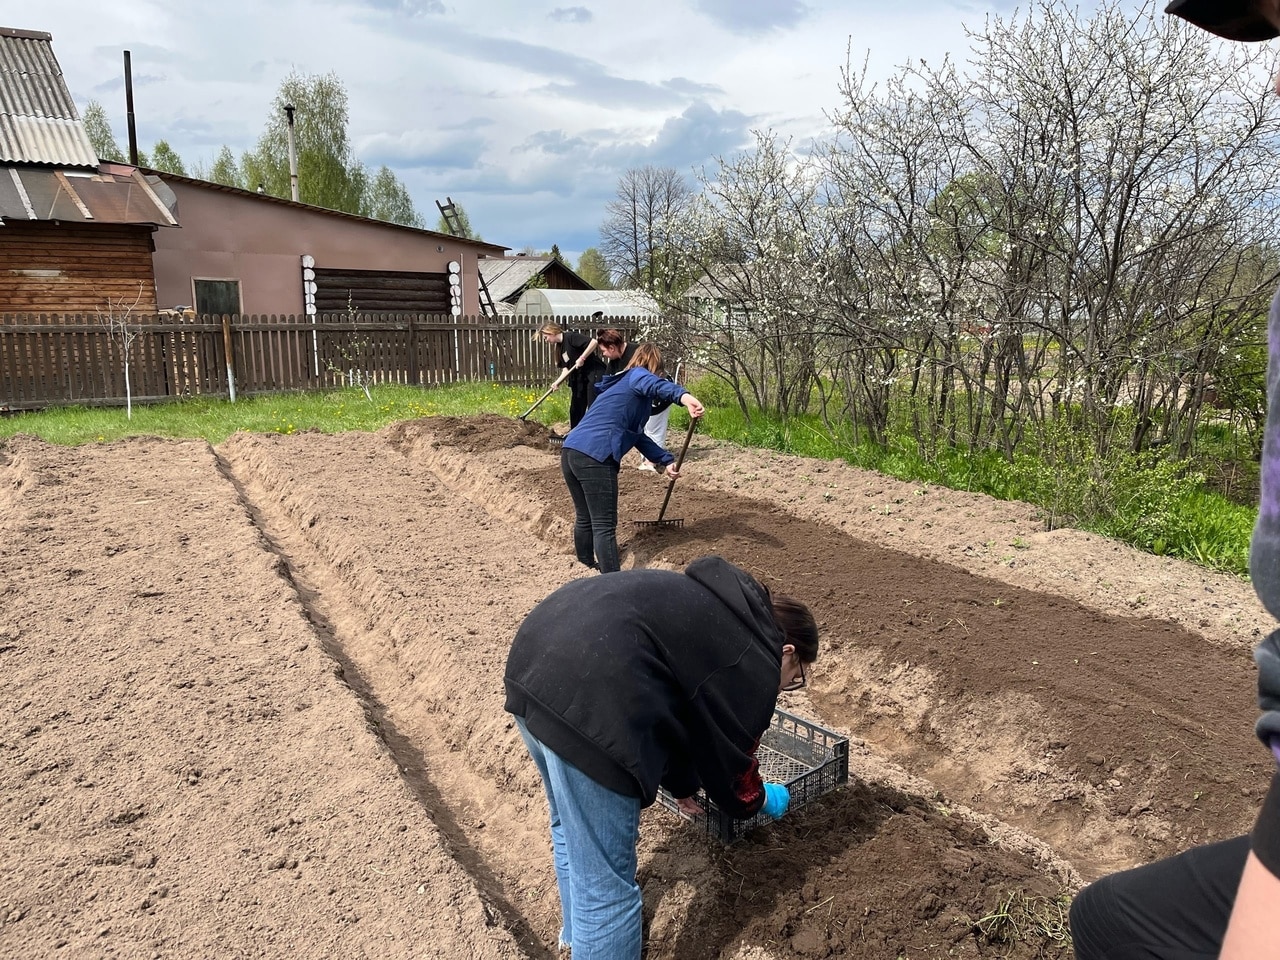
[216, 297]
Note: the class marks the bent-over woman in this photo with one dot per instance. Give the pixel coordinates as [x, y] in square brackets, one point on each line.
[576, 352]
[647, 678]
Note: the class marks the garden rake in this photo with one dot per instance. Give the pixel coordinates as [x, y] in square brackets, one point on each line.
[537, 403]
[553, 439]
[660, 522]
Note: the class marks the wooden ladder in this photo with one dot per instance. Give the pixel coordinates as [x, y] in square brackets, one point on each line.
[450, 214]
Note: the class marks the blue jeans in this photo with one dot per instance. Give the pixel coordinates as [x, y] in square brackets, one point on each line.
[593, 840]
[594, 488]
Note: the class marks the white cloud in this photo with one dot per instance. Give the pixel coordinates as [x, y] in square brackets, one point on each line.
[570, 15]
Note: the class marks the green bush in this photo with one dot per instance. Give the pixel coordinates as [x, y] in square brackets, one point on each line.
[713, 391]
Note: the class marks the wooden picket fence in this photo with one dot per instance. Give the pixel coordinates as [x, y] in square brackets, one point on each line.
[55, 361]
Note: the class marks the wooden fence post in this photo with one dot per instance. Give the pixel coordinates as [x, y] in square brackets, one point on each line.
[414, 374]
[231, 365]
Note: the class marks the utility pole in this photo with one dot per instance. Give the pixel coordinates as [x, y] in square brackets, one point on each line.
[293, 156]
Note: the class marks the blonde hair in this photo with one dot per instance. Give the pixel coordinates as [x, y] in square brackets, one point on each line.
[647, 355]
[551, 329]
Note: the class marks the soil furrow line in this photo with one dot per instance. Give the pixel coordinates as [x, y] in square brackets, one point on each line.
[322, 577]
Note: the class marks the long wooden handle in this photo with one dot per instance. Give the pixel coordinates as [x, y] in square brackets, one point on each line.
[537, 403]
[671, 484]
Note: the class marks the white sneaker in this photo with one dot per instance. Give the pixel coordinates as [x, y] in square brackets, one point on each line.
[647, 465]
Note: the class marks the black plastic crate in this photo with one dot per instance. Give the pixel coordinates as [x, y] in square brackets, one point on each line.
[808, 759]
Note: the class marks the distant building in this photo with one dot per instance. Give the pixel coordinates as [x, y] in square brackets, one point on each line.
[509, 277]
[74, 234]
[244, 252]
[721, 298]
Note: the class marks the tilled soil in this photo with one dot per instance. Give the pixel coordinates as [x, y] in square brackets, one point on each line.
[258, 703]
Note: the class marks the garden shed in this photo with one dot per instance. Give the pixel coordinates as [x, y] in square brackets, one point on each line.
[75, 235]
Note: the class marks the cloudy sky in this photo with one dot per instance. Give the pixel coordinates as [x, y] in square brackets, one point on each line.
[525, 113]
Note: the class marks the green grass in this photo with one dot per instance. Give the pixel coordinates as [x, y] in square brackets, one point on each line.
[335, 411]
[1181, 519]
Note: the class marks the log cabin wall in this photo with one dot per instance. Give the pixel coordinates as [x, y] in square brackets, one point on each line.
[381, 291]
[62, 268]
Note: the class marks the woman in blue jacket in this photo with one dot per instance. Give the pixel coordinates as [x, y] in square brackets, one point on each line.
[593, 450]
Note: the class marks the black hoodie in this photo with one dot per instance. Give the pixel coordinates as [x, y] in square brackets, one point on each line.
[653, 677]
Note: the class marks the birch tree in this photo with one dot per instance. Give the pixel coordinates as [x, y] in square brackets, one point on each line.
[634, 238]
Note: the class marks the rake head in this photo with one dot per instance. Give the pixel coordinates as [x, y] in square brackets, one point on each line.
[659, 523]
[555, 440]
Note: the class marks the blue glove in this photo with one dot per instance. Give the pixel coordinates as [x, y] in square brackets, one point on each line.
[776, 800]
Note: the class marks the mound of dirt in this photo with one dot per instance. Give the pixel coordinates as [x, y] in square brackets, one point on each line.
[259, 703]
[486, 432]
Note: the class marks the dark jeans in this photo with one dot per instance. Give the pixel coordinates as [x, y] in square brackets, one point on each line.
[594, 488]
[1174, 909]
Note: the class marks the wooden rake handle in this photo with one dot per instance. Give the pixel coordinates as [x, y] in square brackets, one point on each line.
[671, 484]
[537, 403]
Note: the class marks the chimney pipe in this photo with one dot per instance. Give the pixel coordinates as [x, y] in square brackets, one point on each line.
[293, 156]
[128, 102]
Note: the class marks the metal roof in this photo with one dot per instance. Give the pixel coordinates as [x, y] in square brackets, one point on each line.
[74, 196]
[583, 303]
[507, 276]
[38, 119]
[723, 281]
[268, 198]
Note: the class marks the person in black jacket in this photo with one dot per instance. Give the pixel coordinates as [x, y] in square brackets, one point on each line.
[615, 349]
[641, 679]
[1219, 900]
[576, 352]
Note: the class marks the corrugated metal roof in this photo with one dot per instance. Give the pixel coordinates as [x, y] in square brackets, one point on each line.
[38, 119]
[77, 197]
[507, 276]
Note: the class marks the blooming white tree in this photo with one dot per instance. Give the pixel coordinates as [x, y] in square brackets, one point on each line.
[1072, 225]
[753, 238]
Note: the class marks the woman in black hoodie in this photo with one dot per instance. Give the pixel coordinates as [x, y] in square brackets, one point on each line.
[647, 678]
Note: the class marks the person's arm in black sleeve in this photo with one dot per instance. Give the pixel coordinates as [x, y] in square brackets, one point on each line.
[585, 356]
[731, 778]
